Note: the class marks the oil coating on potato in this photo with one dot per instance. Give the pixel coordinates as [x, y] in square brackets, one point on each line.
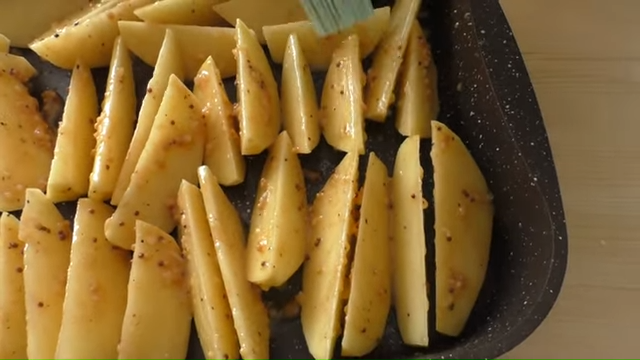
[181, 12]
[16, 66]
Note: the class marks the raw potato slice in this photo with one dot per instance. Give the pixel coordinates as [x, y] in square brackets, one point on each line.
[381, 77]
[46, 259]
[341, 109]
[249, 314]
[409, 245]
[209, 298]
[181, 12]
[463, 224]
[96, 295]
[16, 66]
[4, 44]
[172, 153]
[13, 331]
[72, 157]
[278, 235]
[299, 101]
[222, 146]
[169, 63]
[197, 43]
[22, 164]
[417, 87]
[114, 127]
[157, 322]
[88, 37]
[324, 274]
[258, 102]
[318, 49]
[370, 289]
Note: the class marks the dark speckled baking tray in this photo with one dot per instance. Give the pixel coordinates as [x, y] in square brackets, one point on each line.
[488, 100]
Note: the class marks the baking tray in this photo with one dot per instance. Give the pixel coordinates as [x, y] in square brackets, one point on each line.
[487, 99]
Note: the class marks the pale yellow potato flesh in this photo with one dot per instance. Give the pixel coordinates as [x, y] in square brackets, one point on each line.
[197, 44]
[114, 126]
[13, 331]
[46, 259]
[250, 316]
[324, 274]
[181, 12]
[208, 296]
[463, 225]
[73, 154]
[173, 152]
[341, 109]
[381, 77]
[157, 321]
[5, 43]
[169, 63]
[318, 49]
[409, 245]
[222, 143]
[16, 66]
[96, 294]
[278, 235]
[300, 114]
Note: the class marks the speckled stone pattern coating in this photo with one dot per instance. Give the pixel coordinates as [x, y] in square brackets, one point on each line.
[487, 99]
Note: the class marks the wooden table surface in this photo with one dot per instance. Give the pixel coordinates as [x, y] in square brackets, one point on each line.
[583, 57]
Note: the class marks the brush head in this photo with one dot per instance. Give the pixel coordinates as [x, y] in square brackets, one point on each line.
[332, 16]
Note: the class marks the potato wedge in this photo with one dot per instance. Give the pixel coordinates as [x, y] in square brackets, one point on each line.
[417, 87]
[463, 224]
[370, 289]
[278, 235]
[409, 245]
[96, 294]
[4, 44]
[157, 322]
[114, 126]
[324, 274]
[258, 102]
[94, 29]
[299, 101]
[181, 12]
[381, 77]
[318, 49]
[172, 153]
[200, 42]
[13, 331]
[169, 63]
[46, 259]
[73, 157]
[17, 66]
[209, 298]
[222, 144]
[249, 314]
[341, 111]
[25, 138]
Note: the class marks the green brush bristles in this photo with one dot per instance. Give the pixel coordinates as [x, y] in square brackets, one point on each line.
[332, 16]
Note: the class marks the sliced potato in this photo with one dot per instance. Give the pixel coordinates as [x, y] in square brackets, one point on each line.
[278, 234]
[46, 259]
[463, 225]
[114, 127]
[381, 77]
[209, 298]
[409, 245]
[370, 290]
[318, 49]
[299, 101]
[172, 153]
[169, 63]
[73, 157]
[222, 148]
[13, 331]
[88, 37]
[324, 274]
[16, 66]
[198, 42]
[190, 12]
[157, 322]
[96, 294]
[25, 138]
[249, 314]
[341, 111]
[4, 44]
[417, 87]
[258, 102]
